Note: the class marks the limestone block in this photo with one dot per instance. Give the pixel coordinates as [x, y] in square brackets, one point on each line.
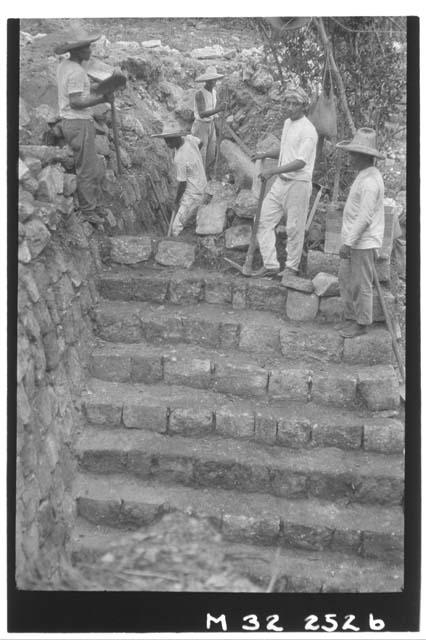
[234, 422]
[341, 436]
[129, 122]
[175, 254]
[24, 253]
[191, 372]
[102, 146]
[245, 205]
[185, 291]
[109, 366]
[37, 236]
[30, 184]
[230, 475]
[296, 283]
[23, 171]
[191, 421]
[130, 249]
[240, 379]
[34, 165]
[315, 537]
[256, 340]
[293, 432]
[302, 306]
[334, 388]
[172, 92]
[26, 205]
[378, 387]
[238, 237]
[239, 163]
[229, 335]
[241, 528]
[266, 294]
[384, 546]
[239, 294]
[185, 106]
[289, 485]
[24, 118]
[388, 437]
[48, 214]
[50, 183]
[320, 262]
[326, 285]
[151, 417]
[372, 348]
[265, 427]
[331, 309]
[211, 218]
[204, 53]
[47, 154]
[289, 383]
[217, 289]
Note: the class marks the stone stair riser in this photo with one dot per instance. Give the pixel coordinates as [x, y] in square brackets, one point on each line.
[287, 483]
[264, 295]
[273, 530]
[377, 391]
[375, 348]
[261, 426]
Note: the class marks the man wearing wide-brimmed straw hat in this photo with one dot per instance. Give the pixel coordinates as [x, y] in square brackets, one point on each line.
[362, 233]
[205, 110]
[290, 193]
[190, 174]
[75, 108]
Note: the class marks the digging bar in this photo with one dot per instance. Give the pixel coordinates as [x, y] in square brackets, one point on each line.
[247, 267]
[164, 220]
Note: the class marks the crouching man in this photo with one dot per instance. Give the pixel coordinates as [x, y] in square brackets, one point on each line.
[362, 234]
[191, 177]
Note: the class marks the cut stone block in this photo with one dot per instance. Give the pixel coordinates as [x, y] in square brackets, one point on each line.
[185, 291]
[23, 170]
[325, 284]
[337, 389]
[379, 388]
[34, 165]
[265, 427]
[384, 438]
[293, 433]
[37, 236]
[302, 306]
[146, 368]
[190, 421]
[297, 344]
[238, 237]
[251, 339]
[217, 289]
[245, 204]
[289, 383]
[233, 422]
[50, 183]
[320, 262]
[175, 254]
[130, 249]
[375, 347]
[47, 154]
[264, 294]
[249, 529]
[331, 309]
[344, 436]
[211, 218]
[307, 537]
[70, 184]
[297, 283]
[102, 412]
[144, 416]
[241, 380]
[110, 367]
[192, 372]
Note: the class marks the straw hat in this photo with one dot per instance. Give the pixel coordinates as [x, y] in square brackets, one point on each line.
[75, 39]
[209, 74]
[170, 131]
[364, 141]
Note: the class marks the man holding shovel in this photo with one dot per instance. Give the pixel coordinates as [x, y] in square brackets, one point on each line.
[191, 177]
[362, 233]
[75, 108]
[292, 189]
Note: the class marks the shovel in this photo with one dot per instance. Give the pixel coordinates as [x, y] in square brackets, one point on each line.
[247, 268]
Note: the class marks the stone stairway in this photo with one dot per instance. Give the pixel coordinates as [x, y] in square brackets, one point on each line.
[207, 398]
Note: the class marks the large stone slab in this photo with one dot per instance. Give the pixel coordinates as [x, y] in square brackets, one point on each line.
[238, 237]
[241, 380]
[337, 389]
[192, 372]
[211, 218]
[130, 249]
[175, 254]
[239, 163]
[325, 284]
[265, 294]
[245, 205]
[234, 422]
[302, 306]
[379, 388]
[289, 383]
[387, 437]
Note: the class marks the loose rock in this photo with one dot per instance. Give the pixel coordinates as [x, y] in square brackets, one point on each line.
[211, 218]
[302, 306]
[238, 237]
[175, 254]
[326, 285]
[130, 249]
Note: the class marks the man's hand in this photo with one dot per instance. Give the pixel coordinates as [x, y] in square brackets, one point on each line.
[345, 252]
[257, 156]
[265, 175]
[109, 97]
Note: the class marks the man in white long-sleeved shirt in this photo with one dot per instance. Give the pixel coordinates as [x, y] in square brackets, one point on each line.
[362, 234]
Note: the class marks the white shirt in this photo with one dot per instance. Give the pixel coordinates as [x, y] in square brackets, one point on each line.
[364, 214]
[72, 78]
[210, 102]
[298, 142]
[189, 166]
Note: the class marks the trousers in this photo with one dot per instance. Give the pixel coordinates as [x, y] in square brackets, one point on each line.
[206, 132]
[80, 135]
[356, 285]
[187, 209]
[288, 198]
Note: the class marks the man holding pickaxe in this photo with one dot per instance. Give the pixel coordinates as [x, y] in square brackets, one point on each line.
[75, 108]
[291, 190]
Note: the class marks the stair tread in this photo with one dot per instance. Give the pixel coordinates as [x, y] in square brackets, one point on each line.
[173, 396]
[214, 502]
[229, 451]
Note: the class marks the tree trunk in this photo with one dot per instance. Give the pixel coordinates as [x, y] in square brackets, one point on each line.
[327, 46]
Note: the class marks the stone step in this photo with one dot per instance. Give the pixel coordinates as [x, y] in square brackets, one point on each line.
[210, 461]
[219, 327]
[310, 524]
[183, 286]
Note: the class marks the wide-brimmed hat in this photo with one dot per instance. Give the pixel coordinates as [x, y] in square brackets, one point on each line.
[75, 39]
[364, 141]
[209, 74]
[170, 131]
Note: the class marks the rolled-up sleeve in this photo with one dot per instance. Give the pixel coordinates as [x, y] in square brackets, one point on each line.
[368, 200]
[181, 172]
[75, 82]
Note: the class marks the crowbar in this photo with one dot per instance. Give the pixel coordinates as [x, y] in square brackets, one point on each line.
[247, 267]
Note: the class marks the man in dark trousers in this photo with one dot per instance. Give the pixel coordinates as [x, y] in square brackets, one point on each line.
[205, 112]
[75, 109]
[362, 233]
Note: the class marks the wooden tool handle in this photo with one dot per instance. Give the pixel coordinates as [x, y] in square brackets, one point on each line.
[115, 135]
[252, 246]
[336, 186]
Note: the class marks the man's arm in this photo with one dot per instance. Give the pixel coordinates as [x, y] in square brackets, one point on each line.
[78, 102]
[274, 153]
[295, 165]
[180, 191]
